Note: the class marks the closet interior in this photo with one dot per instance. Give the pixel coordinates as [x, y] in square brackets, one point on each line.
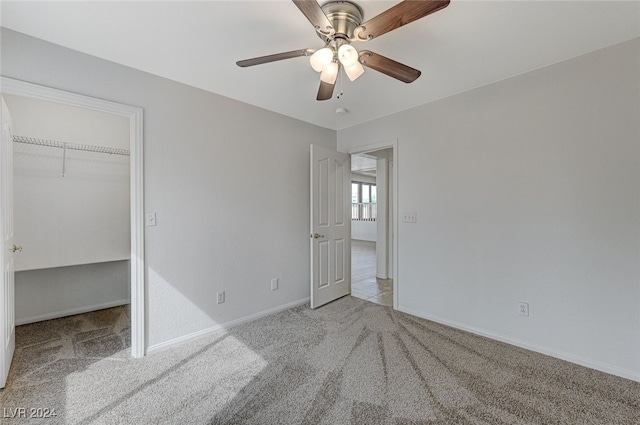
[71, 209]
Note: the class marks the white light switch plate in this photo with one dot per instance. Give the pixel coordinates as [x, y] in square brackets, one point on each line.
[410, 217]
[150, 219]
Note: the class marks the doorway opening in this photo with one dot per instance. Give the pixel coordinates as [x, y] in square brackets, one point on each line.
[371, 226]
[135, 246]
[71, 210]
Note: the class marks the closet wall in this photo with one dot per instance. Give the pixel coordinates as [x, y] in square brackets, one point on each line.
[74, 228]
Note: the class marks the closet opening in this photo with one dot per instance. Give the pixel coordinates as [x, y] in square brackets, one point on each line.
[71, 213]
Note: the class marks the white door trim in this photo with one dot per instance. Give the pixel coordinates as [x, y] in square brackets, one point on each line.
[390, 144]
[22, 88]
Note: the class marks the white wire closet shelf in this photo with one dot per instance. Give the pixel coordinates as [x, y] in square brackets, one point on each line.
[69, 145]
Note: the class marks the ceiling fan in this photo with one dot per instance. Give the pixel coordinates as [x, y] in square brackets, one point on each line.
[338, 24]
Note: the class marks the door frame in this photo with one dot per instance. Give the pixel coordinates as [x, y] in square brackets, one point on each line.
[393, 145]
[134, 114]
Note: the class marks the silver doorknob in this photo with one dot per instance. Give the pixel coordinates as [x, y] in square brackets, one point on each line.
[317, 235]
[16, 248]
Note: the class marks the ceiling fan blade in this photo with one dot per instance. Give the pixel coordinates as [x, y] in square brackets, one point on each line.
[277, 57]
[311, 9]
[388, 66]
[325, 92]
[401, 14]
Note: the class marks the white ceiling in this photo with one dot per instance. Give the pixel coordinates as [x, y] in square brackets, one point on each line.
[466, 45]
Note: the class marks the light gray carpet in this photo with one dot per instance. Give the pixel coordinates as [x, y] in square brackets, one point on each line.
[350, 362]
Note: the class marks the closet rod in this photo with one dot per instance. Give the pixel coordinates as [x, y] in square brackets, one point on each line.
[68, 145]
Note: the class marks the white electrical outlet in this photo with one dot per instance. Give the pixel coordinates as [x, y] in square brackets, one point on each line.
[220, 296]
[274, 284]
[523, 309]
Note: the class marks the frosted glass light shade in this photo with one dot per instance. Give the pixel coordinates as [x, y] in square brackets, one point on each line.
[354, 71]
[321, 58]
[348, 55]
[330, 73]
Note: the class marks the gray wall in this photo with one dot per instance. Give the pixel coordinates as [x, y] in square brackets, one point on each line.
[61, 291]
[527, 190]
[229, 183]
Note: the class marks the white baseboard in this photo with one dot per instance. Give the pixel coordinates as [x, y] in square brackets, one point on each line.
[181, 340]
[592, 364]
[70, 312]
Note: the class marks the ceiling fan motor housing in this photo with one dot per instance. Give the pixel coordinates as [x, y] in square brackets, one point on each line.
[344, 16]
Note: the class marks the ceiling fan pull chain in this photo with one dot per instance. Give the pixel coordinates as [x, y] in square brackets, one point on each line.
[341, 91]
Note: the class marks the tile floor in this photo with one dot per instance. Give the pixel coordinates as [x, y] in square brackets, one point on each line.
[364, 283]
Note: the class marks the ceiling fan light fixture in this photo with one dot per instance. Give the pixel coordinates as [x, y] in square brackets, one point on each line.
[354, 71]
[348, 55]
[338, 23]
[321, 58]
[330, 73]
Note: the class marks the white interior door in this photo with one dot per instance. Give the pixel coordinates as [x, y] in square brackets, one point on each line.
[7, 317]
[330, 225]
